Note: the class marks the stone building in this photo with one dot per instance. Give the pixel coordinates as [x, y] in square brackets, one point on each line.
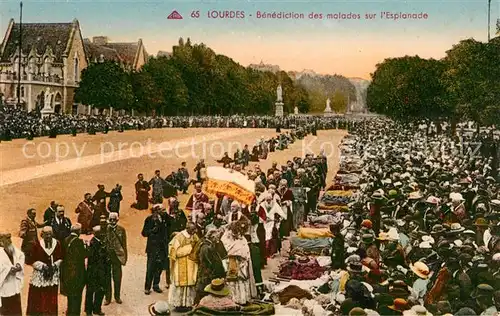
[52, 58]
[132, 56]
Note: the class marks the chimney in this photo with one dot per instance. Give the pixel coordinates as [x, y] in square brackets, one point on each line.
[100, 40]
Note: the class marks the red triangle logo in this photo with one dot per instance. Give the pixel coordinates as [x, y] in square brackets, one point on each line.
[174, 16]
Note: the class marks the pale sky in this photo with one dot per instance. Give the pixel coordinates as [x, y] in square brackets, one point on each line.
[348, 47]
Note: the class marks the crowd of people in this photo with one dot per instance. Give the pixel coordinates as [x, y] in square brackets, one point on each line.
[409, 226]
[16, 123]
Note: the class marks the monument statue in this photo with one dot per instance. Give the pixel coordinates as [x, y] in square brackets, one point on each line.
[328, 109]
[279, 101]
[279, 92]
[48, 99]
[296, 110]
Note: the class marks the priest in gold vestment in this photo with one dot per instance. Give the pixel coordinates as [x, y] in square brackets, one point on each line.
[183, 269]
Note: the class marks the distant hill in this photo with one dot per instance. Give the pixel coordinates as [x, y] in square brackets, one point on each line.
[340, 90]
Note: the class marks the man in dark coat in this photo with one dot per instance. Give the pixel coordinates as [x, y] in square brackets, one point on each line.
[183, 176]
[73, 274]
[116, 240]
[178, 218]
[98, 274]
[246, 156]
[198, 169]
[338, 250]
[156, 249]
[61, 225]
[142, 193]
[28, 232]
[100, 194]
[115, 197]
[85, 211]
[157, 183]
[50, 213]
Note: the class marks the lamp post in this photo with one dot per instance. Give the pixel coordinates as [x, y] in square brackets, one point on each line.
[489, 14]
[20, 54]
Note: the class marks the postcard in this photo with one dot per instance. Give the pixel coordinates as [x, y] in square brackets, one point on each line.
[233, 157]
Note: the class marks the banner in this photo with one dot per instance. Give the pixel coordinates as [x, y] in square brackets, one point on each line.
[232, 190]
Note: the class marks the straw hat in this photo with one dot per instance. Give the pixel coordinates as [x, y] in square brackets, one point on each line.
[425, 245]
[383, 236]
[377, 195]
[456, 197]
[417, 310]
[481, 222]
[456, 228]
[420, 269]
[432, 200]
[159, 308]
[217, 287]
[415, 195]
[393, 234]
[483, 290]
[428, 238]
[437, 229]
[357, 311]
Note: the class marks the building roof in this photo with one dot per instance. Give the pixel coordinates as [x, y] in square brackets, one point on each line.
[37, 35]
[95, 51]
[127, 51]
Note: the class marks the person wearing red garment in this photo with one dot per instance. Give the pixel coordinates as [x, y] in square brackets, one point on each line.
[196, 202]
[45, 259]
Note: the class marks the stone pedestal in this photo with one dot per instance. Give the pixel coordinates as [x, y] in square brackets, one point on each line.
[46, 111]
[279, 109]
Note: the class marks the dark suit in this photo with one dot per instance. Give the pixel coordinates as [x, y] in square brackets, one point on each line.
[73, 274]
[97, 275]
[29, 234]
[156, 249]
[49, 215]
[116, 241]
[61, 228]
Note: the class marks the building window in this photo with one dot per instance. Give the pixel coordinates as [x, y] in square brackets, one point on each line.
[77, 69]
[22, 92]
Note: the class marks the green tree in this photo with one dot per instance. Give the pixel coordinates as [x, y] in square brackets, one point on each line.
[338, 102]
[408, 88]
[319, 88]
[147, 94]
[170, 92]
[105, 85]
[194, 79]
[471, 79]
